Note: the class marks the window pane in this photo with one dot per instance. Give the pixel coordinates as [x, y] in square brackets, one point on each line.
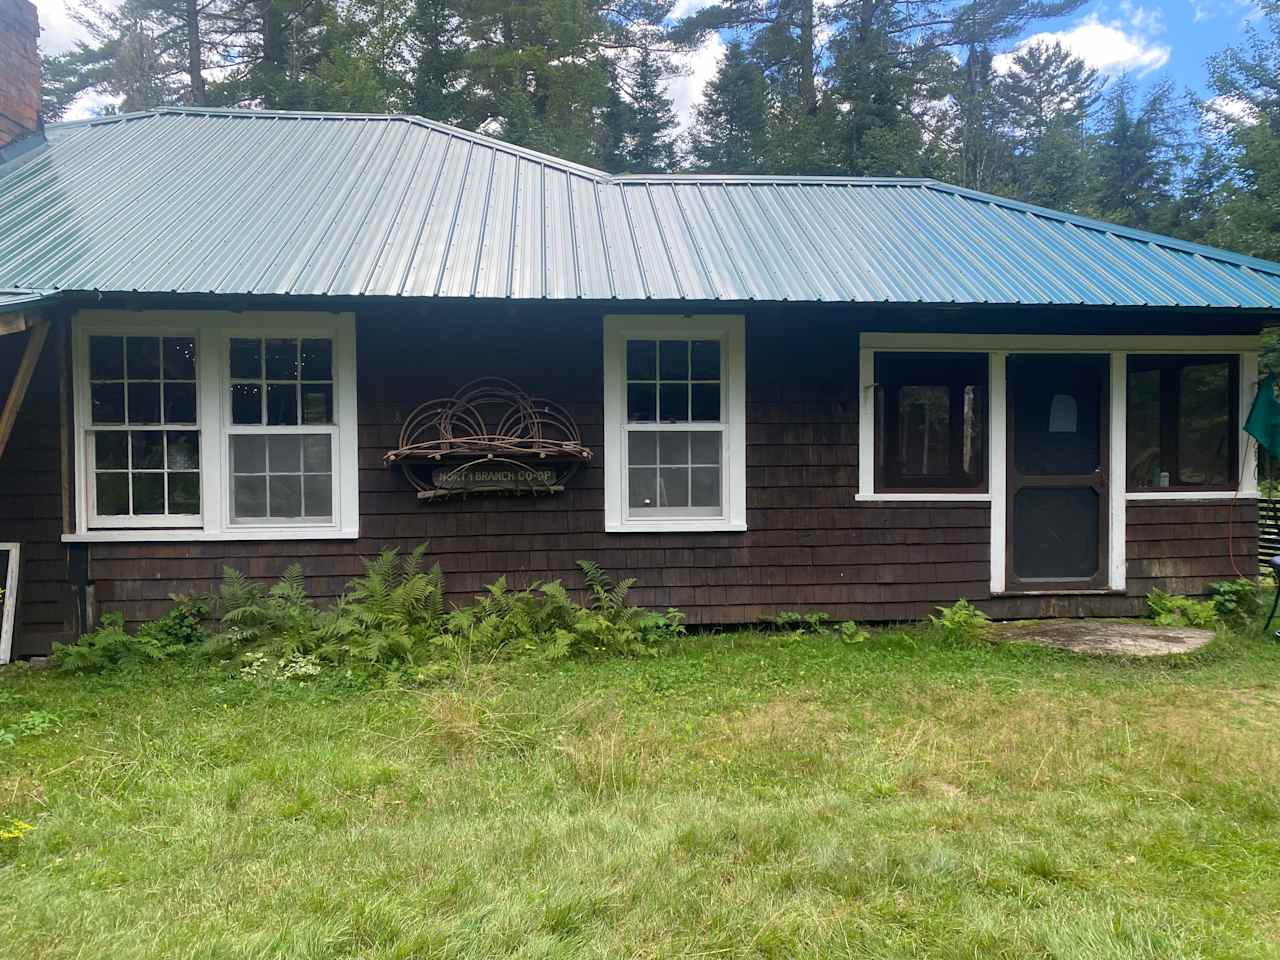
[179, 403]
[184, 493]
[179, 358]
[142, 358]
[642, 487]
[924, 431]
[248, 497]
[673, 403]
[673, 487]
[317, 360]
[704, 487]
[642, 448]
[673, 360]
[111, 450]
[106, 358]
[284, 454]
[315, 455]
[246, 359]
[148, 494]
[285, 496]
[705, 360]
[1142, 434]
[317, 403]
[642, 360]
[107, 401]
[1204, 427]
[673, 448]
[706, 402]
[183, 450]
[642, 402]
[317, 495]
[282, 359]
[144, 402]
[705, 447]
[148, 449]
[246, 403]
[282, 404]
[249, 455]
[113, 494]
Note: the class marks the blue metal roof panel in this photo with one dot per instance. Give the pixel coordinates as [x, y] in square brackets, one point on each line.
[242, 202]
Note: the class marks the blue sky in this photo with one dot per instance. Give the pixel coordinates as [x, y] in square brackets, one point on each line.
[1146, 40]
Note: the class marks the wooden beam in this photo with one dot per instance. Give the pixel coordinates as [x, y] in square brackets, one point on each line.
[21, 380]
[18, 322]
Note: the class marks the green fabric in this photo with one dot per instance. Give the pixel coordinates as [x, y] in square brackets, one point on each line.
[1264, 418]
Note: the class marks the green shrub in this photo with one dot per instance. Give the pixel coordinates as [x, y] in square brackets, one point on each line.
[1236, 602]
[1175, 611]
[110, 646]
[251, 614]
[388, 616]
[960, 621]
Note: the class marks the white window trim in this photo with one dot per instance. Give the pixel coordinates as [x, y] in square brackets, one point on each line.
[730, 330]
[998, 348]
[213, 330]
[84, 427]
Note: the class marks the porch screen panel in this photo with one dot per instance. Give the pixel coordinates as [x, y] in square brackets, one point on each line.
[1182, 422]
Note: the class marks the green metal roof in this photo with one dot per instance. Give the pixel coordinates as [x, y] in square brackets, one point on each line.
[14, 301]
[244, 203]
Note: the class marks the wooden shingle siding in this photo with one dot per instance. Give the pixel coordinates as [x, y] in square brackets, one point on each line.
[31, 499]
[809, 546]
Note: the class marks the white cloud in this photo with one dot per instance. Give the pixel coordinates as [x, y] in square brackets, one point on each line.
[1108, 47]
[1232, 110]
[699, 67]
[58, 32]
[685, 8]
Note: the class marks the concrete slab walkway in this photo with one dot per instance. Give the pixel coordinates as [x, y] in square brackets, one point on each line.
[1125, 638]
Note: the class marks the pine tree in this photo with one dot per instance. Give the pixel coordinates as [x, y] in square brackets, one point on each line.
[1138, 153]
[730, 127]
[437, 57]
[651, 127]
[1244, 78]
[1046, 97]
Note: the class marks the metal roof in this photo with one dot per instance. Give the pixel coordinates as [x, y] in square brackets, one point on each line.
[241, 203]
[14, 301]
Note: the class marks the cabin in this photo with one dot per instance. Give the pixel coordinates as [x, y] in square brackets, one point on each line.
[248, 339]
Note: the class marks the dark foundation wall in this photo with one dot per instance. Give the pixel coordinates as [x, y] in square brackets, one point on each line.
[809, 546]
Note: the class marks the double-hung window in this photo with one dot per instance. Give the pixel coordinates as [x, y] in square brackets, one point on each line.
[218, 426]
[675, 424]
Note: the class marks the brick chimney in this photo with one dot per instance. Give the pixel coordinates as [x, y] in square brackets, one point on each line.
[19, 70]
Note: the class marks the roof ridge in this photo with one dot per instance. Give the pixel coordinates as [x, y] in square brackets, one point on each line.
[569, 166]
[1105, 226]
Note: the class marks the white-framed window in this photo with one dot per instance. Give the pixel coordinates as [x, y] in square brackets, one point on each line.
[675, 423]
[211, 425]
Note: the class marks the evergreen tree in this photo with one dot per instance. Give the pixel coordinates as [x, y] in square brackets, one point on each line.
[1247, 78]
[651, 127]
[1138, 152]
[1046, 97]
[730, 127]
[437, 56]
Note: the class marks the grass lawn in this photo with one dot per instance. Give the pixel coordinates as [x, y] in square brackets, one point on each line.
[745, 795]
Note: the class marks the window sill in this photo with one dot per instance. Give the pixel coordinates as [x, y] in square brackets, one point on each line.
[923, 497]
[200, 536]
[675, 526]
[1192, 495]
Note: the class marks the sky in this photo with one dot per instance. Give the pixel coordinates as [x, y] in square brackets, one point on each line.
[1147, 40]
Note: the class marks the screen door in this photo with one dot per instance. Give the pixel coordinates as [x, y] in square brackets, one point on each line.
[1057, 456]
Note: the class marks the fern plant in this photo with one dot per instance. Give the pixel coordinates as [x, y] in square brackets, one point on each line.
[387, 616]
[283, 615]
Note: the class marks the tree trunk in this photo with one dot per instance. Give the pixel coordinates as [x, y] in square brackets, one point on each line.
[808, 59]
[195, 62]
